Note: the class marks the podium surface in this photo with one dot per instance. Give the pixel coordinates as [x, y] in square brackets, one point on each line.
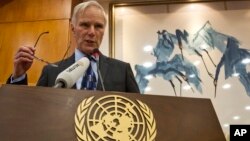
[48, 114]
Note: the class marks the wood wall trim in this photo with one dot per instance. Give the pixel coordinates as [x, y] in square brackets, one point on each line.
[29, 10]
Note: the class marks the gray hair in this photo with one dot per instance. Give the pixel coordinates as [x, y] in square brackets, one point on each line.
[82, 6]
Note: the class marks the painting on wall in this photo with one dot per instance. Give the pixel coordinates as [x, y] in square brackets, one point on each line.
[218, 38]
[188, 49]
[234, 58]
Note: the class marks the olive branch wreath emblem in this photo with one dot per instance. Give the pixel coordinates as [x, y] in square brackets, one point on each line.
[83, 108]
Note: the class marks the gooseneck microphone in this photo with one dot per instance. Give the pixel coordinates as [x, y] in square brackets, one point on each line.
[69, 76]
[96, 53]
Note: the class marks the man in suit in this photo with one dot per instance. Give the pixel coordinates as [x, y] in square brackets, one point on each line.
[88, 25]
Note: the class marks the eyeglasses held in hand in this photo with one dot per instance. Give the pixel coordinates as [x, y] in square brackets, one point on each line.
[39, 59]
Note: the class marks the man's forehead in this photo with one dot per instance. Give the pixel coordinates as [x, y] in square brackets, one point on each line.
[92, 8]
[86, 12]
[83, 16]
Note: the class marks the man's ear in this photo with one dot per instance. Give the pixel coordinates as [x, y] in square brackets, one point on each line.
[72, 28]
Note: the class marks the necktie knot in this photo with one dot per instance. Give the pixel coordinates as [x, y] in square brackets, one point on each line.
[91, 58]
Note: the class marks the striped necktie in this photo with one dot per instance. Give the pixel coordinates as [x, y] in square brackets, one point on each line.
[89, 80]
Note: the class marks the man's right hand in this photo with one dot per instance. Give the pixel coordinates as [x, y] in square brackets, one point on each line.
[23, 60]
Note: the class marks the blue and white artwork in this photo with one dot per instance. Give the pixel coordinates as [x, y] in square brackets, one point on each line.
[169, 65]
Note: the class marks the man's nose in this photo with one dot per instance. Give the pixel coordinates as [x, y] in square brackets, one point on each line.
[91, 30]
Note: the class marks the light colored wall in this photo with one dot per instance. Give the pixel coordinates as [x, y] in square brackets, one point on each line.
[136, 27]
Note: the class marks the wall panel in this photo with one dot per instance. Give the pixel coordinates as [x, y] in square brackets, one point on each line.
[29, 10]
[21, 22]
[50, 47]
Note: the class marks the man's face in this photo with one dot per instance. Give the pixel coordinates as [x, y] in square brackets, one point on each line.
[89, 29]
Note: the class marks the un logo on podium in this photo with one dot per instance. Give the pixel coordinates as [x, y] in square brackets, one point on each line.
[114, 118]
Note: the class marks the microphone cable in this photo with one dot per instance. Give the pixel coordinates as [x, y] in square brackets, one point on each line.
[99, 73]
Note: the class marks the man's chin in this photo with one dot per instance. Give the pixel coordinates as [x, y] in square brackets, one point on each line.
[88, 50]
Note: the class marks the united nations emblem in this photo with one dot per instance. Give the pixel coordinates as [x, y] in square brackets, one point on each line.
[114, 118]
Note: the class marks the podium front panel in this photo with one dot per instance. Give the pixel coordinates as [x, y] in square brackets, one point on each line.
[49, 114]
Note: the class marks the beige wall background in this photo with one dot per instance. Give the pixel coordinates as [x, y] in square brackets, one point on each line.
[136, 27]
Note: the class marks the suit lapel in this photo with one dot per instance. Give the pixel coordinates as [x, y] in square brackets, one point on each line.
[66, 63]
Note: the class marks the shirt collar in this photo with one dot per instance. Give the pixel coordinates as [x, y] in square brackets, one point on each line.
[79, 55]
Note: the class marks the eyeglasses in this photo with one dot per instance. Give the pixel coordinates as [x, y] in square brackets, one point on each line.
[46, 62]
[40, 59]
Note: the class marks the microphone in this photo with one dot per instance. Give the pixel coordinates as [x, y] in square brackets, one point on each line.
[69, 76]
[96, 53]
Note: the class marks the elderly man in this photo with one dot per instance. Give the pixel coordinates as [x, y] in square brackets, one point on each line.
[88, 25]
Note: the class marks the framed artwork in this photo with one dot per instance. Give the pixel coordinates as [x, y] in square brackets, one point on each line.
[190, 49]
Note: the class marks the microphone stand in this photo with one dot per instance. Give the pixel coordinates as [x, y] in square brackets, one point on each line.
[97, 53]
[59, 85]
[99, 73]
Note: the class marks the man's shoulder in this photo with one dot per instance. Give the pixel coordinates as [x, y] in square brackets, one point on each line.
[70, 59]
[113, 60]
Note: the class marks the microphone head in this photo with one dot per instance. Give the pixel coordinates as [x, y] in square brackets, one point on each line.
[96, 52]
[70, 75]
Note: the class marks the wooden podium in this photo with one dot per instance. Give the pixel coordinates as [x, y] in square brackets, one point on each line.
[48, 114]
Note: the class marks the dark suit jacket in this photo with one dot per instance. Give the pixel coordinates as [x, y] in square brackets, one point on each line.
[117, 75]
